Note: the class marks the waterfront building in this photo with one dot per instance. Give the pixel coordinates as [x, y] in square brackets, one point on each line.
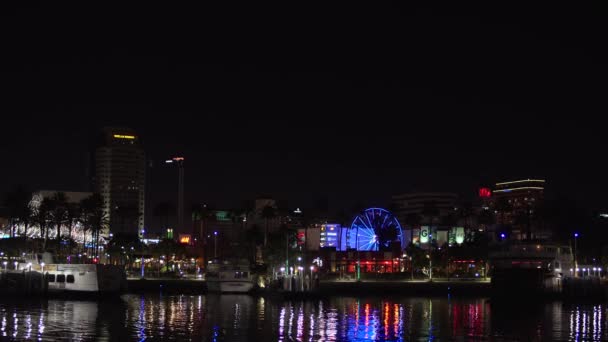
[515, 204]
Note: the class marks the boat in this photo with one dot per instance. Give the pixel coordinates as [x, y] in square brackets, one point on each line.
[229, 277]
[521, 268]
[77, 278]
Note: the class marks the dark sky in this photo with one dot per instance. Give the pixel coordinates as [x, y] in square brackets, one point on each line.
[299, 101]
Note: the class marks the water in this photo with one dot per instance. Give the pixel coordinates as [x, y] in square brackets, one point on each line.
[246, 318]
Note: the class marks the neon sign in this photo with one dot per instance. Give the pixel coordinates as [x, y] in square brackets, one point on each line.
[122, 136]
[484, 192]
[185, 239]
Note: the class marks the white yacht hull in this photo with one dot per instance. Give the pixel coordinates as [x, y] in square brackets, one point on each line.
[83, 278]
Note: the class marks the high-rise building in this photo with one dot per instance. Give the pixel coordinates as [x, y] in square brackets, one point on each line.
[520, 193]
[120, 178]
[515, 204]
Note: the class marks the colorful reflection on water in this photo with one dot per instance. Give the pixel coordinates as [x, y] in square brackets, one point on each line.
[246, 318]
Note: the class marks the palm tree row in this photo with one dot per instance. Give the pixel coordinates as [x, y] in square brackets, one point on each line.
[39, 218]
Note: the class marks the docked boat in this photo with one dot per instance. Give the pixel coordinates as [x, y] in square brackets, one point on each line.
[229, 277]
[79, 278]
[530, 268]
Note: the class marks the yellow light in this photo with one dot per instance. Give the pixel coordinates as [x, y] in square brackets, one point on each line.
[121, 136]
[521, 181]
[522, 188]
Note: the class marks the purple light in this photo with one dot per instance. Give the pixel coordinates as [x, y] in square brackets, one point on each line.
[502, 235]
[214, 233]
[575, 235]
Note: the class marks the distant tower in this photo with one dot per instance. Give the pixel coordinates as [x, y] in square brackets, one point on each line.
[120, 177]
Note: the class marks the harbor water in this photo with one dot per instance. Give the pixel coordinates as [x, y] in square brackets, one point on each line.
[250, 318]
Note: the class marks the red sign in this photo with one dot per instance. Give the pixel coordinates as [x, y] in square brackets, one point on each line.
[301, 238]
[485, 192]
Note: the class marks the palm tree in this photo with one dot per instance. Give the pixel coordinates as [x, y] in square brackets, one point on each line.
[268, 213]
[72, 217]
[18, 203]
[94, 217]
[42, 217]
[59, 212]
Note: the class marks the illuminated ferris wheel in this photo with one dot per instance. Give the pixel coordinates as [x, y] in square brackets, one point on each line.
[375, 229]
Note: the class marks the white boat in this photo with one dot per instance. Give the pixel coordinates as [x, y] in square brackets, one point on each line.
[79, 278]
[225, 276]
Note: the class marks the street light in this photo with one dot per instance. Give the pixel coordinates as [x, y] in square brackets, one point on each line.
[42, 265]
[215, 244]
[143, 232]
[5, 263]
[29, 265]
[16, 263]
[312, 268]
[430, 267]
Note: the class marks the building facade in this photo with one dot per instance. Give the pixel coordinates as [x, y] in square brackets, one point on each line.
[515, 204]
[120, 175]
[444, 203]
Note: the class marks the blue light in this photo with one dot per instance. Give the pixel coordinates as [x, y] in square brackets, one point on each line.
[366, 225]
[575, 235]
[502, 235]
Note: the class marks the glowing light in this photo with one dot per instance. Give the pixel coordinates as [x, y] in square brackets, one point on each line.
[521, 181]
[185, 239]
[521, 188]
[485, 192]
[122, 136]
[365, 226]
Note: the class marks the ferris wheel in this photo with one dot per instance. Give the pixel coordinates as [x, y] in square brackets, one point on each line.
[375, 229]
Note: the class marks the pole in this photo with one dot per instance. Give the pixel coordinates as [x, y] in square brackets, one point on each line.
[575, 256]
[141, 259]
[215, 244]
[412, 267]
[180, 195]
[286, 251]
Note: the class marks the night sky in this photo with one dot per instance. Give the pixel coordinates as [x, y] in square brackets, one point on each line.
[306, 100]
